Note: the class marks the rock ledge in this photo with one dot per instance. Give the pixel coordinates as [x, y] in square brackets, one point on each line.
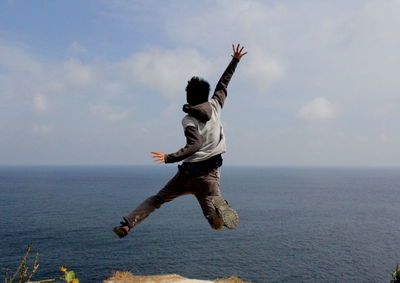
[127, 277]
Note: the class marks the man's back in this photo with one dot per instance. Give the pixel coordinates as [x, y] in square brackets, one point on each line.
[211, 132]
[202, 125]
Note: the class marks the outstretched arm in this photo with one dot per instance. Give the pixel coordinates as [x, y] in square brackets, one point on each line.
[193, 144]
[222, 85]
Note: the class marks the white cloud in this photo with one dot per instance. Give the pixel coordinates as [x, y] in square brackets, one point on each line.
[42, 128]
[210, 26]
[356, 50]
[15, 58]
[25, 77]
[78, 74]
[107, 112]
[218, 23]
[170, 110]
[340, 134]
[263, 70]
[165, 71]
[76, 47]
[40, 103]
[384, 138]
[361, 138]
[318, 109]
[255, 24]
[111, 87]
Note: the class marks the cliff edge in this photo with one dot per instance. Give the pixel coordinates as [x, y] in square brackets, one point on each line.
[127, 277]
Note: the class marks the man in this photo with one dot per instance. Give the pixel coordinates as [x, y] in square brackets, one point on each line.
[205, 143]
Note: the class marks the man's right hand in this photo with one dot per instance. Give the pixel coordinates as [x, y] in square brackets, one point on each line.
[238, 53]
[158, 157]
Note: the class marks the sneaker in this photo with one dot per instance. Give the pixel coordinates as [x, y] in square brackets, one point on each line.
[229, 216]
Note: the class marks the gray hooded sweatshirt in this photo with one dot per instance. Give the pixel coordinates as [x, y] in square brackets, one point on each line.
[202, 125]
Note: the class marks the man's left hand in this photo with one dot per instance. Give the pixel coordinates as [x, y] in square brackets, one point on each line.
[238, 53]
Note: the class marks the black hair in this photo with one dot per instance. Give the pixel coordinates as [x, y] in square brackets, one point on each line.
[197, 91]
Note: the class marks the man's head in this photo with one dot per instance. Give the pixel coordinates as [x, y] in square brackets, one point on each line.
[197, 91]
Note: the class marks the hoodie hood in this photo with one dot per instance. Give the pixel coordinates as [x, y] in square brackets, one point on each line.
[201, 111]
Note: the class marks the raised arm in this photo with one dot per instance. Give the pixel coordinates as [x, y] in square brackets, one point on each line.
[222, 85]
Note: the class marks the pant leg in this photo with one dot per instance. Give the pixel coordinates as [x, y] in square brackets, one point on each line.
[173, 189]
[209, 188]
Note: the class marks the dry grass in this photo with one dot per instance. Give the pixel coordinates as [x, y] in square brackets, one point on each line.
[232, 279]
[127, 277]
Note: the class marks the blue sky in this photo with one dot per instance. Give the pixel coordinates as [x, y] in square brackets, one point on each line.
[102, 82]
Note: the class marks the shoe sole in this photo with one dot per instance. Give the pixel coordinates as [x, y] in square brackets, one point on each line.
[228, 215]
[120, 232]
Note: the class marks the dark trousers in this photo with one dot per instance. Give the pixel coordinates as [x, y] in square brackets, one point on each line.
[204, 187]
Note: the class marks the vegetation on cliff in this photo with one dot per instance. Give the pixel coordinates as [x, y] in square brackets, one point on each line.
[25, 271]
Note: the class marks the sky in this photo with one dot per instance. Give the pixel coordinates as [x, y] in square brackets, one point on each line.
[103, 82]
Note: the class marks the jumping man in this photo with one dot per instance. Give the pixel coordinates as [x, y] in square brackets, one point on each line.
[205, 143]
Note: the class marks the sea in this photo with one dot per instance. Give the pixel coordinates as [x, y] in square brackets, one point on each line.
[297, 224]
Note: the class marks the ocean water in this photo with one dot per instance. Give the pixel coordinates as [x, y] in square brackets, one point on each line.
[296, 224]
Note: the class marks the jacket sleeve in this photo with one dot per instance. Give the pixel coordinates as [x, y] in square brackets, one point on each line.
[222, 85]
[193, 143]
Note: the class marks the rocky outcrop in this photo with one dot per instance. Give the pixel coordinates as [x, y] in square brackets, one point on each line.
[127, 277]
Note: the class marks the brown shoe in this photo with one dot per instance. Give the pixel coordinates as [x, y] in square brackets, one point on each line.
[228, 215]
[120, 231]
